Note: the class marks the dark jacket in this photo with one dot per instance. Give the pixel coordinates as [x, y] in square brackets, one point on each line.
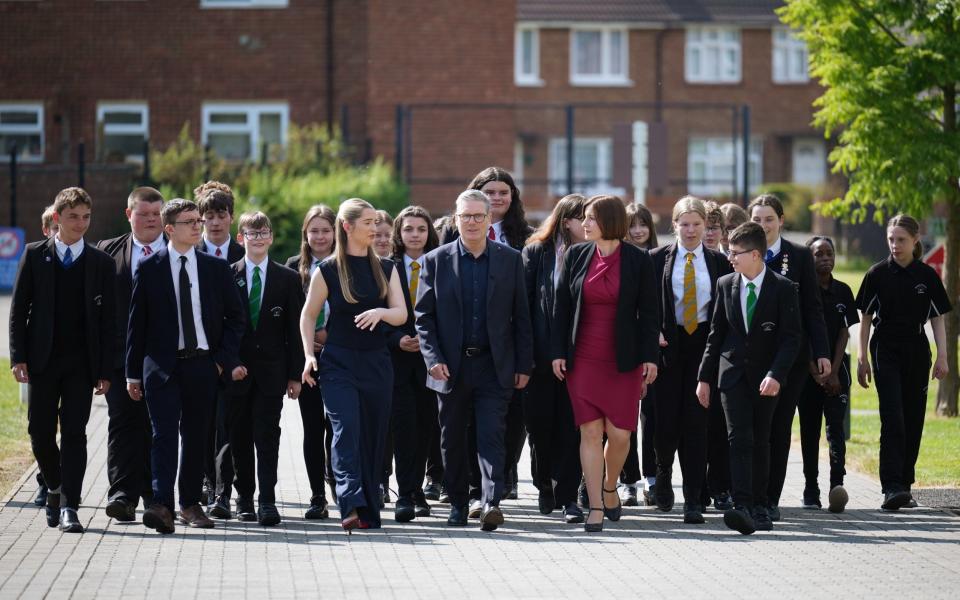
[636, 337]
[797, 261]
[539, 260]
[404, 361]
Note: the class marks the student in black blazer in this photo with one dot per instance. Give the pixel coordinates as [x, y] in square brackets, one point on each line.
[128, 428]
[273, 356]
[686, 273]
[554, 442]
[177, 369]
[795, 263]
[754, 339]
[414, 409]
[62, 321]
[474, 325]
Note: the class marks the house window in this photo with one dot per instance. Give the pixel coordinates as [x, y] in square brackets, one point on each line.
[790, 58]
[526, 59]
[711, 162]
[598, 56]
[712, 55]
[122, 129]
[243, 3]
[592, 165]
[809, 161]
[21, 125]
[238, 131]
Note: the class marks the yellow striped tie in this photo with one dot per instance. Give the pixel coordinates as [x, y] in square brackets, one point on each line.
[414, 281]
[689, 295]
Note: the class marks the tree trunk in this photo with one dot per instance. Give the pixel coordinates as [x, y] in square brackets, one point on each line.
[950, 385]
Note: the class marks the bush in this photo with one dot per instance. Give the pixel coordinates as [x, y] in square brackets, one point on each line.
[797, 200]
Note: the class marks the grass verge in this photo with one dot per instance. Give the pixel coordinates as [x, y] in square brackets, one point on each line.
[15, 453]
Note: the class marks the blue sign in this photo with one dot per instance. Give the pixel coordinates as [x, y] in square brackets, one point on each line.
[11, 247]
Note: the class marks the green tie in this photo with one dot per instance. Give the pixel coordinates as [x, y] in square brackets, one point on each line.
[255, 297]
[751, 302]
[319, 324]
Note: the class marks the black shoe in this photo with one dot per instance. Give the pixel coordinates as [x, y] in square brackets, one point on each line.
[773, 511]
[912, 503]
[509, 492]
[613, 513]
[491, 518]
[572, 513]
[738, 519]
[444, 496]
[811, 499]
[53, 510]
[318, 509]
[458, 516]
[245, 511]
[629, 497]
[648, 498]
[404, 510]
[384, 496]
[692, 513]
[546, 501]
[594, 527]
[69, 522]
[220, 509]
[723, 501]
[420, 507]
[582, 495]
[895, 500]
[663, 493]
[431, 491]
[41, 498]
[121, 510]
[761, 519]
[268, 515]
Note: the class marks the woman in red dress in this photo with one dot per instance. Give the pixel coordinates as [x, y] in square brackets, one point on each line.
[605, 343]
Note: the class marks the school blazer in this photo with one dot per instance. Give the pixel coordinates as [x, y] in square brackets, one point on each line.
[273, 352]
[403, 361]
[800, 270]
[664, 259]
[539, 261]
[439, 314]
[34, 303]
[637, 320]
[771, 346]
[153, 333]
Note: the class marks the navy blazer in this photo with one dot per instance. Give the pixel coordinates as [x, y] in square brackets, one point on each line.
[539, 261]
[153, 334]
[439, 314]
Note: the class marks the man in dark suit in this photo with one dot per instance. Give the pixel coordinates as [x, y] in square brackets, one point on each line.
[176, 368]
[62, 318]
[754, 339]
[273, 356]
[477, 343]
[128, 428]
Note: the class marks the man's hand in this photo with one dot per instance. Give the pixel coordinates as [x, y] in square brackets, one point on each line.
[440, 372]
[663, 341]
[520, 381]
[769, 387]
[238, 373]
[20, 372]
[135, 391]
[410, 343]
[703, 394]
[649, 373]
[560, 368]
[831, 384]
[293, 389]
[103, 386]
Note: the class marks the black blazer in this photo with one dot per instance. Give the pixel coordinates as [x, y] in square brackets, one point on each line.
[121, 249]
[637, 322]
[34, 303]
[439, 314]
[153, 334]
[235, 251]
[664, 258]
[403, 361]
[798, 261]
[273, 353]
[539, 260]
[771, 346]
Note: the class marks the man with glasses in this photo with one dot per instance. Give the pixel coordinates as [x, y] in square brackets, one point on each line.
[473, 320]
[176, 368]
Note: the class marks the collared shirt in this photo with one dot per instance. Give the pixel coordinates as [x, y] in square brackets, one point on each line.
[839, 310]
[774, 248]
[407, 262]
[702, 278]
[263, 275]
[473, 292]
[559, 251]
[191, 255]
[498, 231]
[902, 299]
[76, 248]
[136, 253]
[744, 292]
[212, 248]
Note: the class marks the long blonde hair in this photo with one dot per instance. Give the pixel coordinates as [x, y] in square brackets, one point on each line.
[350, 211]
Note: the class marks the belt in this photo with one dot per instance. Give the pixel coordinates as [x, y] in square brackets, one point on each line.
[471, 351]
[192, 353]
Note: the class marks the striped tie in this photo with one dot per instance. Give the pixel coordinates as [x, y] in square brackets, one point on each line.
[414, 281]
[689, 295]
[254, 301]
[751, 303]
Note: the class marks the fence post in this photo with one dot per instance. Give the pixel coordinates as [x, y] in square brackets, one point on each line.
[398, 149]
[81, 164]
[570, 141]
[745, 113]
[263, 155]
[13, 185]
[206, 162]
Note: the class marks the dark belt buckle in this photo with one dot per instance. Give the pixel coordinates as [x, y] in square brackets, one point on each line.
[471, 352]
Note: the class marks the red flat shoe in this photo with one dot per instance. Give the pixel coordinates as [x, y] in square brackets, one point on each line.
[364, 524]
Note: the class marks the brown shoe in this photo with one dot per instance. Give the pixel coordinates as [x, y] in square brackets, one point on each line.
[194, 517]
[158, 517]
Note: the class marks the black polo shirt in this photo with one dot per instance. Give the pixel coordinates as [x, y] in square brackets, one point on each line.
[839, 310]
[473, 294]
[902, 299]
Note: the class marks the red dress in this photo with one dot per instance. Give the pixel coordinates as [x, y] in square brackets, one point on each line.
[595, 386]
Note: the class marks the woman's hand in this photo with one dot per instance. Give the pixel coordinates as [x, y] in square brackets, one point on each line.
[940, 369]
[560, 368]
[368, 319]
[649, 373]
[309, 366]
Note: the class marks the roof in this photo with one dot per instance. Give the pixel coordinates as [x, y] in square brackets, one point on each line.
[650, 11]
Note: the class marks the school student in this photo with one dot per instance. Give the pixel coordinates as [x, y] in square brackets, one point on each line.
[900, 294]
[62, 320]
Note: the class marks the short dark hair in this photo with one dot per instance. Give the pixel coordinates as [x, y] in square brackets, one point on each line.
[71, 197]
[766, 200]
[215, 196]
[749, 236]
[171, 210]
[145, 194]
[610, 214]
[254, 220]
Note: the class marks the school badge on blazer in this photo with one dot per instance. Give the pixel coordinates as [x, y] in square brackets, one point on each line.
[277, 312]
[241, 281]
[768, 326]
[98, 299]
[921, 289]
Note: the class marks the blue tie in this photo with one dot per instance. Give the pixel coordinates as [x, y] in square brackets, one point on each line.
[67, 258]
[769, 257]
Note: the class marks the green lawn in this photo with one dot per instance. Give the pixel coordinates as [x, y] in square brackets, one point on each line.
[15, 453]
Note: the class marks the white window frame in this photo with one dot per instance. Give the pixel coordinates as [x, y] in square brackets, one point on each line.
[606, 77]
[253, 110]
[244, 3]
[718, 166]
[14, 128]
[532, 78]
[791, 48]
[124, 129]
[557, 170]
[702, 47]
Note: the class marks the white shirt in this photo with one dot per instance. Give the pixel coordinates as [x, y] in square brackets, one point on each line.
[774, 247]
[212, 249]
[191, 255]
[702, 279]
[744, 292]
[76, 248]
[136, 253]
[263, 275]
[408, 262]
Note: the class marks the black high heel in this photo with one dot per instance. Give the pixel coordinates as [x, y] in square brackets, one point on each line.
[594, 527]
[612, 513]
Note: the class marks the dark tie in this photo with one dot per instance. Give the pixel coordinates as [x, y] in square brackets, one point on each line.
[751, 303]
[769, 258]
[186, 308]
[218, 253]
[67, 258]
[254, 301]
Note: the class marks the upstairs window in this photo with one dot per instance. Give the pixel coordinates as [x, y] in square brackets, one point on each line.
[122, 130]
[526, 58]
[790, 58]
[712, 55]
[243, 3]
[598, 56]
[238, 131]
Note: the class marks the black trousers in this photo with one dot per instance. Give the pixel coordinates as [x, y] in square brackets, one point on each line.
[254, 426]
[642, 458]
[128, 444]
[681, 421]
[901, 372]
[434, 456]
[815, 406]
[413, 419]
[749, 416]
[218, 458]
[513, 438]
[477, 394]
[62, 394]
[317, 437]
[718, 449]
[781, 429]
[554, 441]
